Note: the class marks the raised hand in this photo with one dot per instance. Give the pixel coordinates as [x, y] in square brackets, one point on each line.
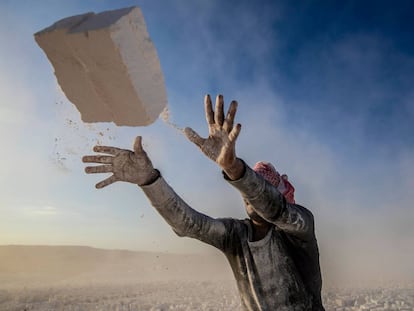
[220, 145]
[125, 165]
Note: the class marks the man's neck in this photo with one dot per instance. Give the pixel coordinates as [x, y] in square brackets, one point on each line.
[259, 230]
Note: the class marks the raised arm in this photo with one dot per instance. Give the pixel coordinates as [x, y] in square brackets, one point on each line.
[272, 206]
[136, 167]
[184, 220]
[267, 201]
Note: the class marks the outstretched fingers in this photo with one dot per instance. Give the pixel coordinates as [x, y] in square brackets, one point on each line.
[231, 113]
[209, 110]
[138, 145]
[99, 169]
[98, 159]
[235, 133]
[107, 149]
[219, 112]
[193, 136]
[106, 182]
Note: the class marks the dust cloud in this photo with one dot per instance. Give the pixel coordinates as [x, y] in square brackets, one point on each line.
[74, 138]
[77, 277]
[165, 116]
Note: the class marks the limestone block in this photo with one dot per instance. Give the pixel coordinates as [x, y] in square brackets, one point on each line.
[107, 66]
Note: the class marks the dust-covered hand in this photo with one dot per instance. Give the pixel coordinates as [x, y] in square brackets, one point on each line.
[125, 165]
[220, 145]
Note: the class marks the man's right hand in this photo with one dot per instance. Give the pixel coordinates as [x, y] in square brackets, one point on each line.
[220, 145]
[125, 165]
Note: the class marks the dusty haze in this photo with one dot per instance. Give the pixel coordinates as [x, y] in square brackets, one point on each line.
[33, 266]
[86, 278]
[78, 265]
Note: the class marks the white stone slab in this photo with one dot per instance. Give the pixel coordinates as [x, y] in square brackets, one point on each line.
[107, 65]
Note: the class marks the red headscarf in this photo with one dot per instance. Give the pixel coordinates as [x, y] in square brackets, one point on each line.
[268, 172]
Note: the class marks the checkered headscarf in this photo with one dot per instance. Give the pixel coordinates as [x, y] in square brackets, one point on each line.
[268, 172]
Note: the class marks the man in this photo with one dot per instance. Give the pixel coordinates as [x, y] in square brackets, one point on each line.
[273, 254]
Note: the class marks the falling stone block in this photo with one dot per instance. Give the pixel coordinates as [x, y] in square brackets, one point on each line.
[107, 66]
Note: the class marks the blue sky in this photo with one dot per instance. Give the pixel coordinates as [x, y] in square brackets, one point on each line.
[325, 93]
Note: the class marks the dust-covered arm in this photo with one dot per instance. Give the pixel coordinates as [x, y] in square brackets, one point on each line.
[136, 167]
[220, 146]
[272, 206]
[184, 220]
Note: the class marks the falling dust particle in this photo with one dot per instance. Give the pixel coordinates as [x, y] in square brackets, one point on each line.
[58, 159]
[73, 138]
[165, 116]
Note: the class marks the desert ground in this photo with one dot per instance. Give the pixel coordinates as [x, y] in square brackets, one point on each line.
[85, 278]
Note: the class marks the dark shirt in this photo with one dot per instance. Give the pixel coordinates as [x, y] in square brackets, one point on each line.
[280, 271]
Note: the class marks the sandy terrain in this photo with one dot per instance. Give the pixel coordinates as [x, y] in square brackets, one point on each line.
[84, 278]
[172, 295]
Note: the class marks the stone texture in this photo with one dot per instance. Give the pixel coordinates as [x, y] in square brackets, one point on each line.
[107, 66]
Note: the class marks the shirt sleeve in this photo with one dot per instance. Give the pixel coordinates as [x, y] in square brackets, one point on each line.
[184, 220]
[272, 206]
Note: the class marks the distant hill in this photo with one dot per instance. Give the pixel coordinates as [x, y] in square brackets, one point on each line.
[52, 265]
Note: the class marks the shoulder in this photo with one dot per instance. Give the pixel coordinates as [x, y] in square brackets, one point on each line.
[236, 233]
[303, 210]
[235, 225]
